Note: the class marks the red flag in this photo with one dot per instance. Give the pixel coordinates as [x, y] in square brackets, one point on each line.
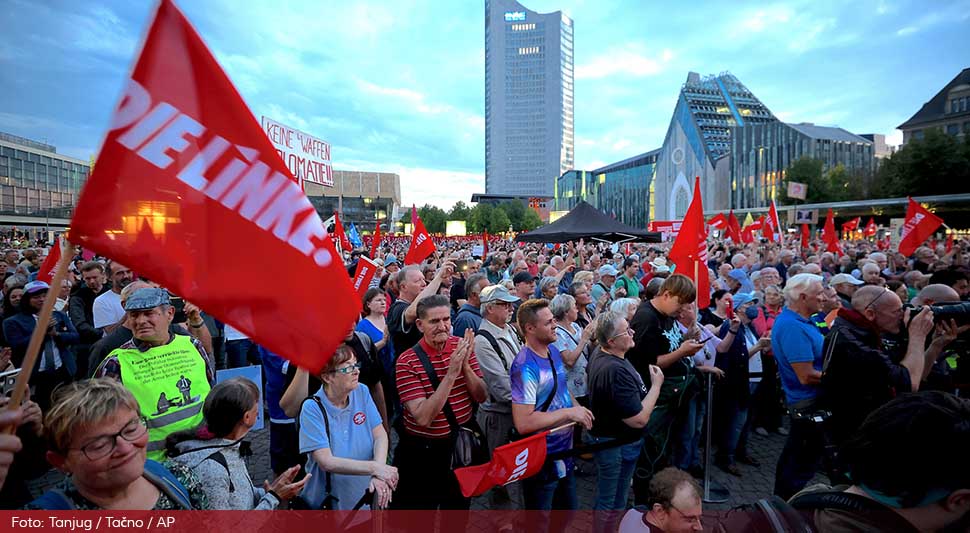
[733, 228]
[747, 234]
[853, 224]
[689, 251]
[775, 223]
[919, 225]
[949, 242]
[338, 230]
[484, 243]
[805, 235]
[871, 228]
[718, 221]
[767, 231]
[421, 244]
[514, 461]
[46, 272]
[375, 246]
[830, 237]
[187, 180]
[366, 268]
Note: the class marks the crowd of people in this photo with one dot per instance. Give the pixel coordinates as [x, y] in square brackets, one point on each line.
[858, 359]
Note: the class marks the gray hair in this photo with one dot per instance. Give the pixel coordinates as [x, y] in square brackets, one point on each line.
[622, 305]
[798, 285]
[870, 267]
[15, 280]
[402, 274]
[560, 305]
[546, 281]
[471, 284]
[606, 326]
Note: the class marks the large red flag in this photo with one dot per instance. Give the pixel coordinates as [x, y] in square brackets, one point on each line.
[46, 272]
[376, 245]
[338, 230]
[871, 228]
[718, 221]
[514, 461]
[919, 225]
[733, 228]
[805, 235]
[767, 229]
[187, 182]
[689, 251]
[830, 237]
[421, 244]
[775, 223]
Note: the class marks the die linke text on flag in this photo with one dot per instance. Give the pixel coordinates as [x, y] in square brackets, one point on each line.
[775, 222]
[689, 251]
[186, 182]
[338, 230]
[46, 272]
[366, 268]
[421, 244]
[516, 460]
[919, 225]
[718, 221]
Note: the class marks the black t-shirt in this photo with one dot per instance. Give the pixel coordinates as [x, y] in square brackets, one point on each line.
[313, 383]
[403, 336]
[654, 334]
[457, 292]
[708, 317]
[615, 392]
[371, 369]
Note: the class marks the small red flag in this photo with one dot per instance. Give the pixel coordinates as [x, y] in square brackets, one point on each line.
[733, 228]
[338, 230]
[689, 251]
[376, 245]
[767, 231]
[871, 228]
[514, 461]
[484, 243]
[187, 180]
[805, 235]
[421, 244]
[830, 237]
[718, 221]
[46, 272]
[366, 268]
[775, 223]
[949, 242]
[919, 225]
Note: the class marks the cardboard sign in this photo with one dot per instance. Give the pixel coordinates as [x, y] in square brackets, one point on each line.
[307, 157]
[797, 190]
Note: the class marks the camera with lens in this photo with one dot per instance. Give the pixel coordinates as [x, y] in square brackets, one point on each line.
[958, 312]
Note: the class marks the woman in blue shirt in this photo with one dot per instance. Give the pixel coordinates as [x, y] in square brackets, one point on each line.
[374, 326]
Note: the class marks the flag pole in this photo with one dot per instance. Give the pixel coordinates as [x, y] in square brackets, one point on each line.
[40, 330]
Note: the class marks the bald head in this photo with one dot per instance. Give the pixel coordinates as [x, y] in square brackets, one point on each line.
[863, 298]
[935, 293]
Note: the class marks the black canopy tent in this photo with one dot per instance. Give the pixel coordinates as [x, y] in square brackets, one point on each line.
[586, 222]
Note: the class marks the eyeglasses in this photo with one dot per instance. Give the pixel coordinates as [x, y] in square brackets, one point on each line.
[347, 369]
[694, 519]
[629, 331]
[104, 445]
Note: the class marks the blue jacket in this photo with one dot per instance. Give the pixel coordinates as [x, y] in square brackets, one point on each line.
[18, 328]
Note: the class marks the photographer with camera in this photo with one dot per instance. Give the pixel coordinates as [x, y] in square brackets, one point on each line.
[858, 374]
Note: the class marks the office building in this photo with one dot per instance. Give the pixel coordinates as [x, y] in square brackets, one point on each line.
[621, 190]
[760, 154]
[362, 197]
[38, 186]
[698, 138]
[880, 149]
[529, 140]
[948, 111]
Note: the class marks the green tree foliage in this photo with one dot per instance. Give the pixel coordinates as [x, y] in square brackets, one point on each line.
[479, 217]
[530, 221]
[434, 218]
[838, 184]
[498, 221]
[498, 218]
[936, 164]
[459, 211]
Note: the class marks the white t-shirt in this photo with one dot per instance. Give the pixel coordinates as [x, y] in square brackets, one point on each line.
[107, 309]
[633, 523]
[755, 365]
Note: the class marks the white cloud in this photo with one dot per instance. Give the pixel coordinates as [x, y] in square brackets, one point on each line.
[621, 144]
[630, 59]
[906, 31]
[895, 138]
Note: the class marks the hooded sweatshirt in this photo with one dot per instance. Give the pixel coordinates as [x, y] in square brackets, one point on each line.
[216, 478]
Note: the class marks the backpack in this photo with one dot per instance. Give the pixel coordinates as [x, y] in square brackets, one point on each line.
[158, 475]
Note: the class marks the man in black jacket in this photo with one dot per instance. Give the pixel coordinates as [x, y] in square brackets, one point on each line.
[82, 314]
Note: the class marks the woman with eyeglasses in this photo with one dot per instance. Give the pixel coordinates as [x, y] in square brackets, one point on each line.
[96, 436]
[342, 432]
[213, 453]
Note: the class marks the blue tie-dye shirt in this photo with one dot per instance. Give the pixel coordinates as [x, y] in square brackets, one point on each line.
[532, 383]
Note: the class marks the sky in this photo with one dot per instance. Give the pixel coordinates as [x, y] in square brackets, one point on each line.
[398, 86]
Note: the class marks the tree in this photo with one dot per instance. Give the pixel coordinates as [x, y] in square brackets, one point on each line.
[515, 210]
[434, 218]
[530, 221]
[479, 217]
[808, 171]
[459, 211]
[936, 164]
[498, 221]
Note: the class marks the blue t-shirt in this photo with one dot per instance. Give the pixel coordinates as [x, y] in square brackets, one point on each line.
[532, 383]
[274, 370]
[796, 340]
[351, 432]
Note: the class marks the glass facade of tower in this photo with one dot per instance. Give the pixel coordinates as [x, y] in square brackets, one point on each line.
[529, 112]
[621, 190]
[37, 181]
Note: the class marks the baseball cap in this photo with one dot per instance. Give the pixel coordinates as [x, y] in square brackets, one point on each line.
[522, 277]
[608, 270]
[147, 298]
[36, 286]
[391, 259]
[497, 293]
[742, 298]
[844, 278]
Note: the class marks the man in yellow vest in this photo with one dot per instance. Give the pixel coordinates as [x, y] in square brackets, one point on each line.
[170, 375]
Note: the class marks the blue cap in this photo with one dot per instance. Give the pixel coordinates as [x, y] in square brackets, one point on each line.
[147, 298]
[36, 286]
[742, 298]
[390, 260]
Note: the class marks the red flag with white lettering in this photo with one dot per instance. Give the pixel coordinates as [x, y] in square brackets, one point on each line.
[871, 228]
[46, 272]
[514, 461]
[718, 221]
[919, 225]
[366, 269]
[775, 223]
[421, 244]
[767, 230]
[187, 184]
[338, 230]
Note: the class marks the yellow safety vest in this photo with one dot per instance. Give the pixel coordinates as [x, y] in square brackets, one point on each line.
[169, 382]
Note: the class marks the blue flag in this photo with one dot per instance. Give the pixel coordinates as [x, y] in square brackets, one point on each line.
[354, 236]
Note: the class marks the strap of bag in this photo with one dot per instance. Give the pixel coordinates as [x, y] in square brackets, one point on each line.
[433, 378]
[326, 426]
[491, 340]
[555, 385]
[168, 484]
[218, 457]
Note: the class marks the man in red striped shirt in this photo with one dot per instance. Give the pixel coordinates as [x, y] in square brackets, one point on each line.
[423, 454]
